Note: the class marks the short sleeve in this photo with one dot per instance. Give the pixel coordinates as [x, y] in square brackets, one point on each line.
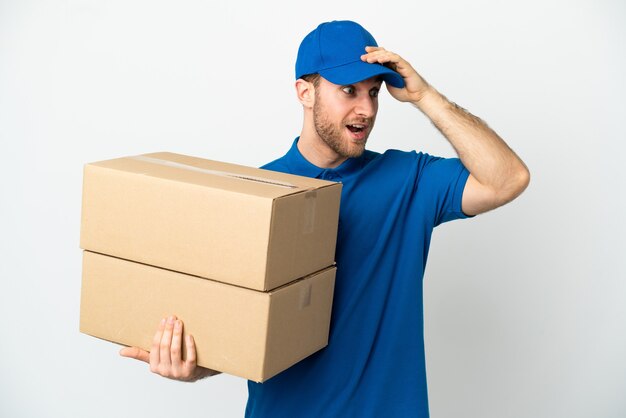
[440, 183]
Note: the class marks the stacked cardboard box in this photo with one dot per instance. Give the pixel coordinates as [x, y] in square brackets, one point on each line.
[245, 257]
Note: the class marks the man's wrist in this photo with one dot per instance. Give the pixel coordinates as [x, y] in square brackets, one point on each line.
[431, 102]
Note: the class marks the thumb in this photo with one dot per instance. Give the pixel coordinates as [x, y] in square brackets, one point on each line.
[136, 353]
[397, 93]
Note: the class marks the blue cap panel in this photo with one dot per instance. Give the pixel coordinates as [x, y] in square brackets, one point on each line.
[334, 51]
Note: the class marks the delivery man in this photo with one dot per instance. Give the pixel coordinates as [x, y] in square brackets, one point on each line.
[374, 364]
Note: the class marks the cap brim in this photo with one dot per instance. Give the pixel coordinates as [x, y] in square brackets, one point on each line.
[357, 71]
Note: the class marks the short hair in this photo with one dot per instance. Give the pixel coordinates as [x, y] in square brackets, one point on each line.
[312, 78]
[316, 77]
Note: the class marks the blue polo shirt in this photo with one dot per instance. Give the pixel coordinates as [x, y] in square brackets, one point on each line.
[374, 364]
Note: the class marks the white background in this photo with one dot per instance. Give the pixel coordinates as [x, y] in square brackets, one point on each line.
[525, 306]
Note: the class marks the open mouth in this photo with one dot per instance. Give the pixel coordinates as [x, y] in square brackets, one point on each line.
[356, 128]
[357, 131]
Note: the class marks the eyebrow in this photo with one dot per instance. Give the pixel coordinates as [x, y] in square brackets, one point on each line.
[378, 80]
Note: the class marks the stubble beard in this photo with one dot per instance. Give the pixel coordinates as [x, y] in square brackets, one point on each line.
[332, 134]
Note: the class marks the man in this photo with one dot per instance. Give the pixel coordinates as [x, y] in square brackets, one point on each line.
[374, 364]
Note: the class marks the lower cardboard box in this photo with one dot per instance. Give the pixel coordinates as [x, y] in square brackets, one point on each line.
[239, 331]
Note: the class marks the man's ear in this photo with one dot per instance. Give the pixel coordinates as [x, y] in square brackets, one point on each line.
[305, 92]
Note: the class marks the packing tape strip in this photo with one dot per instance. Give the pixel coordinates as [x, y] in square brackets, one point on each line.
[310, 199]
[214, 172]
[305, 296]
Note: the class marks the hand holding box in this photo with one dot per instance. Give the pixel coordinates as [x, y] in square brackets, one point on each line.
[166, 355]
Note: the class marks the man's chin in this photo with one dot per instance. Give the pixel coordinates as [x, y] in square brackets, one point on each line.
[358, 146]
[346, 147]
[355, 151]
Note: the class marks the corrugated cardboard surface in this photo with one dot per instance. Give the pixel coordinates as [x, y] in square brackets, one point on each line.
[240, 225]
[239, 331]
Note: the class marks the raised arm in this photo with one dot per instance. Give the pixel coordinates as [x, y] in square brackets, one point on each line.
[497, 174]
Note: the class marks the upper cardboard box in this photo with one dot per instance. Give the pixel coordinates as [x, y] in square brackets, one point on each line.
[240, 225]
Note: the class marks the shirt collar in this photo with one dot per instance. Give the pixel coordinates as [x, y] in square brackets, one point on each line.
[301, 166]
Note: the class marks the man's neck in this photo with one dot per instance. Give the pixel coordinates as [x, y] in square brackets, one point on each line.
[315, 151]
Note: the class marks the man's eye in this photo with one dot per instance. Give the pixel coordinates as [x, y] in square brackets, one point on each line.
[374, 93]
[348, 90]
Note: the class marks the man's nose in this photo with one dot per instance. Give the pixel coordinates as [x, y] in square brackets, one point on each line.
[365, 106]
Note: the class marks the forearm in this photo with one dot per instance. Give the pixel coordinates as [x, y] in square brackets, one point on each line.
[487, 157]
[497, 174]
